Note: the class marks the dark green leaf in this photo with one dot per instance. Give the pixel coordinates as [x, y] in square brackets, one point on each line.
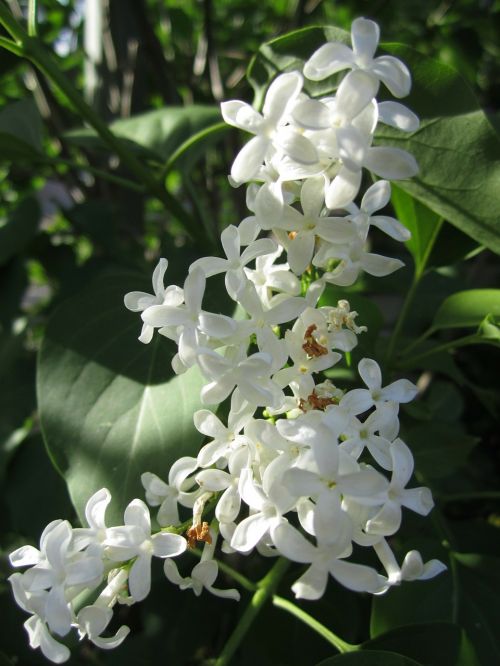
[19, 229]
[35, 493]
[110, 407]
[439, 448]
[369, 658]
[468, 593]
[457, 150]
[20, 131]
[433, 644]
[467, 308]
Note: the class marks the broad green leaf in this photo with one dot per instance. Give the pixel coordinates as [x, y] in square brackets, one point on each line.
[439, 447]
[467, 308]
[369, 658]
[423, 224]
[456, 147]
[110, 407]
[19, 229]
[467, 594]
[433, 644]
[156, 134]
[20, 131]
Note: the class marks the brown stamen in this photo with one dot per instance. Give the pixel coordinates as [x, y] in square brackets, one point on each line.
[311, 346]
[200, 532]
[314, 401]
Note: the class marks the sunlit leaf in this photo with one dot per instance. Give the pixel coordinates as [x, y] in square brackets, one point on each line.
[467, 308]
[110, 407]
[156, 134]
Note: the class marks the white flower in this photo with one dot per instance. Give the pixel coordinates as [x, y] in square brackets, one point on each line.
[308, 226]
[134, 541]
[334, 57]
[234, 264]
[412, 568]
[38, 633]
[388, 519]
[251, 375]
[271, 132]
[188, 320]
[224, 439]
[167, 496]
[269, 277]
[267, 504]
[352, 259]
[93, 620]
[359, 400]
[325, 559]
[138, 301]
[376, 197]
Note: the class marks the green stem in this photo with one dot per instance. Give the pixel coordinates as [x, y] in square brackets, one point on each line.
[11, 46]
[189, 143]
[454, 344]
[410, 294]
[11, 25]
[36, 52]
[420, 268]
[426, 334]
[265, 590]
[105, 175]
[245, 582]
[32, 17]
[311, 622]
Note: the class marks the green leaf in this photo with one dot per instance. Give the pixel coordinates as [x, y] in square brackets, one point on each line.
[156, 134]
[489, 330]
[110, 407]
[19, 229]
[479, 609]
[467, 308]
[456, 147]
[433, 644]
[20, 131]
[17, 371]
[439, 448]
[423, 224]
[467, 594]
[369, 658]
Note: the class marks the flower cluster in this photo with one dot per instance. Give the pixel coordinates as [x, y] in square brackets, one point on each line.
[301, 467]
